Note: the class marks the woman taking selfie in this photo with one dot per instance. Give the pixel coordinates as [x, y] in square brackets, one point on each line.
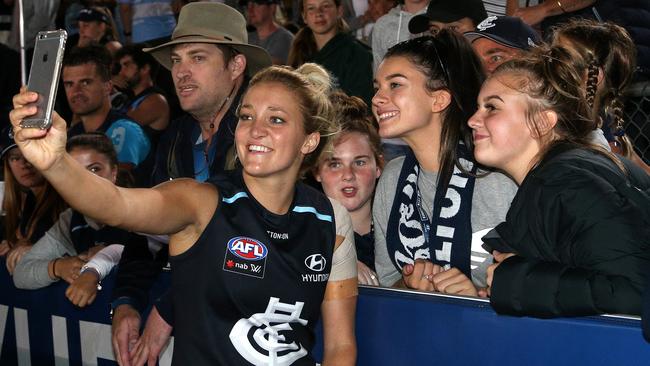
[254, 251]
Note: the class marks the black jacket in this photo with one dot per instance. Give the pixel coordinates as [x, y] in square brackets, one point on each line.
[582, 236]
[350, 61]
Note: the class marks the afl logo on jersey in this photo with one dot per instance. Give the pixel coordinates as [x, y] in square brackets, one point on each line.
[315, 262]
[247, 248]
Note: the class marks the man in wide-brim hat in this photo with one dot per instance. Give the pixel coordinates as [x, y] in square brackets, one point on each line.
[211, 62]
[216, 24]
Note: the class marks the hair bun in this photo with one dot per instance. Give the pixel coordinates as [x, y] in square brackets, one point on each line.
[350, 106]
[317, 76]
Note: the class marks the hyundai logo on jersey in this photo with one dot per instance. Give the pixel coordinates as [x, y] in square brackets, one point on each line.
[247, 248]
[315, 262]
[245, 256]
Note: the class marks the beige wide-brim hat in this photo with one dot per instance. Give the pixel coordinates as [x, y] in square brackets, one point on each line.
[203, 22]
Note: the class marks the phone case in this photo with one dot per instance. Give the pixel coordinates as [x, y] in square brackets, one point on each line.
[44, 76]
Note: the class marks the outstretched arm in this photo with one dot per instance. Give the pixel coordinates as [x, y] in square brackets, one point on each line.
[169, 208]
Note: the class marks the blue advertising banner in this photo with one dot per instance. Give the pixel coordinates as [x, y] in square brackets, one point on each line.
[405, 328]
[394, 327]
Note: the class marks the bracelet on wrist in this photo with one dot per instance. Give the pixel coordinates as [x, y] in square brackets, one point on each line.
[54, 269]
[124, 300]
[559, 5]
[92, 270]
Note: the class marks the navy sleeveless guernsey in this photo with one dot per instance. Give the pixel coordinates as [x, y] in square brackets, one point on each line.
[250, 289]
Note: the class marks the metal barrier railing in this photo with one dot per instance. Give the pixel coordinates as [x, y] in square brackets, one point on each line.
[637, 112]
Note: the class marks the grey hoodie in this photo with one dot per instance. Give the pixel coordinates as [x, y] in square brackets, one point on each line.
[390, 30]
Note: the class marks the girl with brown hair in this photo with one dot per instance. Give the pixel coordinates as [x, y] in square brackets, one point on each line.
[606, 55]
[576, 237]
[30, 204]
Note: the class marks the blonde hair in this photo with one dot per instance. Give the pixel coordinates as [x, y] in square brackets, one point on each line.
[312, 86]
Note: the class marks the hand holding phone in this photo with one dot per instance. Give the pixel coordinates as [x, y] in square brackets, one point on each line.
[44, 76]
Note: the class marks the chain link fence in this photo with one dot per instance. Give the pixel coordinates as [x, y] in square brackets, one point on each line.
[637, 111]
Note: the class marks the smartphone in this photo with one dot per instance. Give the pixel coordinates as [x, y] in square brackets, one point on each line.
[44, 76]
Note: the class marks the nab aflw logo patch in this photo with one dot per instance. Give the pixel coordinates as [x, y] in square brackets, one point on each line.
[245, 256]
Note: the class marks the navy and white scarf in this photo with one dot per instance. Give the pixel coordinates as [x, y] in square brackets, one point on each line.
[446, 238]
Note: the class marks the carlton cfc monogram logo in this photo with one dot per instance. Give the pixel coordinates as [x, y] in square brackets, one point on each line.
[262, 338]
[247, 248]
[315, 262]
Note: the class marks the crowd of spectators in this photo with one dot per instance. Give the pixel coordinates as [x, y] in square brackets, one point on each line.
[439, 194]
